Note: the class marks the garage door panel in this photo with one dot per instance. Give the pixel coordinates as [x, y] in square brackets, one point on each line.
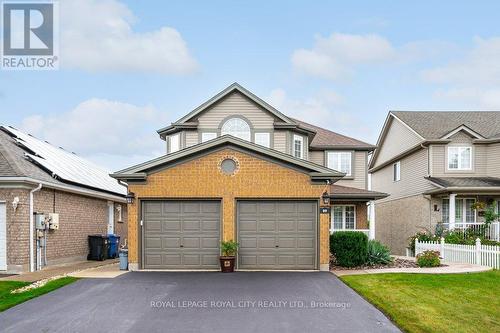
[169, 224]
[292, 225]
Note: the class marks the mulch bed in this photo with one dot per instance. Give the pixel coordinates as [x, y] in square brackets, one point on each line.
[396, 263]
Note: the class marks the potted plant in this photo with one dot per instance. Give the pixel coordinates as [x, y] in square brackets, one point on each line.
[228, 250]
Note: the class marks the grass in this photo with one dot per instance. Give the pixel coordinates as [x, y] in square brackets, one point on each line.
[8, 300]
[434, 302]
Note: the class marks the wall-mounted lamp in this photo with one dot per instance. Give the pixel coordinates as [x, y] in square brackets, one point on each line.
[326, 198]
[15, 202]
[130, 197]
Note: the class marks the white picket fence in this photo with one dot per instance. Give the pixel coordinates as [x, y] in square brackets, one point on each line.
[485, 255]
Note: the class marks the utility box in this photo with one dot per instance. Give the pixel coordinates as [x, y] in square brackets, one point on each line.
[40, 221]
[54, 221]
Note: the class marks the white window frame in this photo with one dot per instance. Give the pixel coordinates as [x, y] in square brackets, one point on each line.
[298, 138]
[464, 210]
[338, 167]
[396, 171]
[263, 139]
[207, 136]
[459, 165]
[178, 143]
[332, 222]
[242, 134]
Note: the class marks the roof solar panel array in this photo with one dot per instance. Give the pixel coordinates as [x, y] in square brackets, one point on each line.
[65, 165]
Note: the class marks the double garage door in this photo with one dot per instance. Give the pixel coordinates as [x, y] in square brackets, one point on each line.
[273, 235]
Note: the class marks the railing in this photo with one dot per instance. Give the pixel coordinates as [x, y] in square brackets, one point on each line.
[365, 231]
[491, 232]
[485, 255]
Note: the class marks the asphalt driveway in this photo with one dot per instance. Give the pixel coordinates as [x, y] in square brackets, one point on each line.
[207, 302]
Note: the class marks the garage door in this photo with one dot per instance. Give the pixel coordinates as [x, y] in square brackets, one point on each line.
[181, 234]
[277, 234]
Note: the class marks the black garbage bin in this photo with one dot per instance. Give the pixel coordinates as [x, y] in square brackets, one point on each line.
[98, 247]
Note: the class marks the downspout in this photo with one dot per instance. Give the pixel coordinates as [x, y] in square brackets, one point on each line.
[32, 263]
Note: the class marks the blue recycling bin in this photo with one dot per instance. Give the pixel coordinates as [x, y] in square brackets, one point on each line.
[114, 241]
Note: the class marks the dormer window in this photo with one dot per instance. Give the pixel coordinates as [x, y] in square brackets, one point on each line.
[236, 127]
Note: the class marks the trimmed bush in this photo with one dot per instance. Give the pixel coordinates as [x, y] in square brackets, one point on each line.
[428, 259]
[350, 248]
[378, 253]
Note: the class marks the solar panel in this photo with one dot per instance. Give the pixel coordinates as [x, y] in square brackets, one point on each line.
[65, 165]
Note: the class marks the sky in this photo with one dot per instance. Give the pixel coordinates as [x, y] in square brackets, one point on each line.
[128, 68]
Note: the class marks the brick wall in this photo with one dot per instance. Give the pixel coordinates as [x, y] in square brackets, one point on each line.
[79, 216]
[201, 178]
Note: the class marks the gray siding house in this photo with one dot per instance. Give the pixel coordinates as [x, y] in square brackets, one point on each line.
[435, 166]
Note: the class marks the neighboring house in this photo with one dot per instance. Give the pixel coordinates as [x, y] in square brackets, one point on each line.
[76, 198]
[237, 168]
[435, 166]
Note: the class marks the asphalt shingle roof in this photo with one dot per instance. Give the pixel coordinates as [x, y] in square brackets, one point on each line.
[326, 138]
[436, 124]
[465, 182]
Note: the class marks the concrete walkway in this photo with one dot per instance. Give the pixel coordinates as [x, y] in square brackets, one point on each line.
[57, 270]
[101, 272]
[451, 268]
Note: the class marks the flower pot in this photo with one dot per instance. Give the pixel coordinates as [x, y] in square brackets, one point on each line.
[227, 264]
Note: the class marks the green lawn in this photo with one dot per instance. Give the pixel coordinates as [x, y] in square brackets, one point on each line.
[8, 300]
[434, 302]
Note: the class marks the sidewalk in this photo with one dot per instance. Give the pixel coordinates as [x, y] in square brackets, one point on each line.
[57, 270]
[101, 272]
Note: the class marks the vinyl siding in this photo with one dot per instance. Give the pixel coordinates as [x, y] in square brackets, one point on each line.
[413, 171]
[397, 140]
[191, 138]
[280, 141]
[493, 163]
[359, 172]
[317, 157]
[440, 158]
[235, 104]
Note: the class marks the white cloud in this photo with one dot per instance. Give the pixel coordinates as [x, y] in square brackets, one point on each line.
[325, 109]
[333, 57]
[98, 36]
[110, 133]
[473, 79]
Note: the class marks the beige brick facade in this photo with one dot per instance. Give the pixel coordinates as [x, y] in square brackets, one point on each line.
[79, 216]
[201, 178]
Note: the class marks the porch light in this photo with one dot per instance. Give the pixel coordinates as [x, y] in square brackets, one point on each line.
[326, 198]
[130, 197]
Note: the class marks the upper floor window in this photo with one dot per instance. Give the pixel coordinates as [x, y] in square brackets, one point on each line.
[236, 127]
[263, 139]
[205, 136]
[396, 171]
[459, 158]
[298, 146]
[175, 143]
[340, 161]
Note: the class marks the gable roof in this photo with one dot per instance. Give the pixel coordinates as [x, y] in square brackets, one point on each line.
[140, 171]
[26, 156]
[437, 124]
[232, 88]
[326, 139]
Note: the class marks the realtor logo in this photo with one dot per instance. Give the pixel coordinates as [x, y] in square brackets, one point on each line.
[29, 36]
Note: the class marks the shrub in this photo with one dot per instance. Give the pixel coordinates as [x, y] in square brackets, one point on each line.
[378, 253]
[428, 259]
[350, 248]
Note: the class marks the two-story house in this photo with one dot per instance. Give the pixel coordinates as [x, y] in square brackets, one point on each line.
[435, 166]
[238, 169]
